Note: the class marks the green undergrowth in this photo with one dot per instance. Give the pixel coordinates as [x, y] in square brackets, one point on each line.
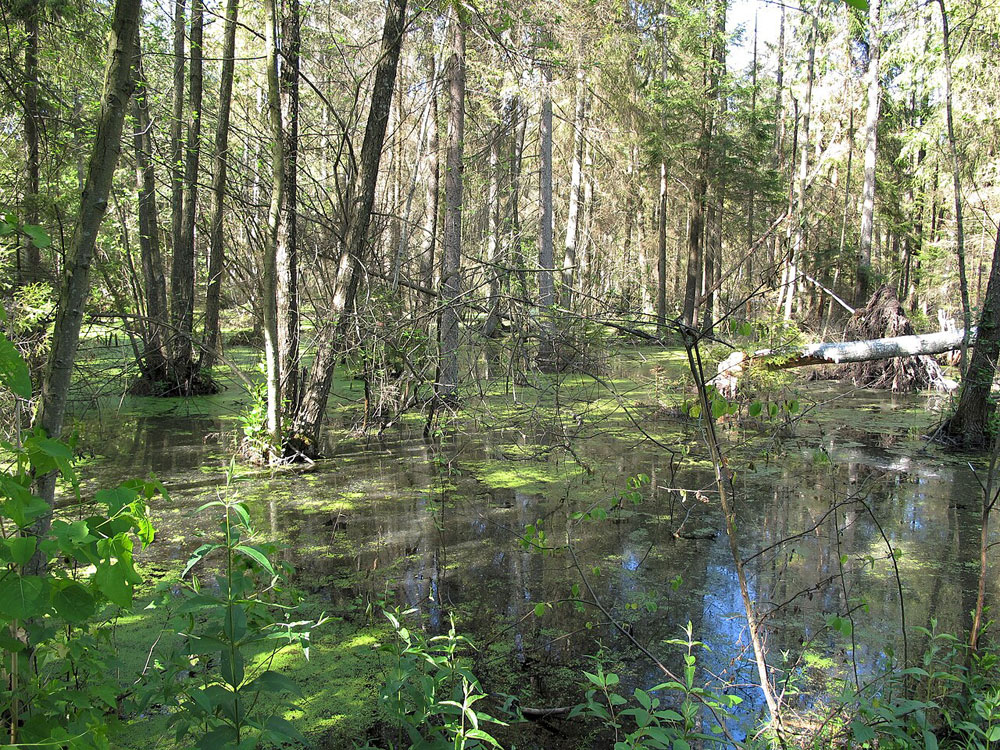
[339, 681]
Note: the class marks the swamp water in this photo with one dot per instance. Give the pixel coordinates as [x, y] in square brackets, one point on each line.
[440, 525]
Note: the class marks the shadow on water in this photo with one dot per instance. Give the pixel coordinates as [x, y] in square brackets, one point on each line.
[439, 527]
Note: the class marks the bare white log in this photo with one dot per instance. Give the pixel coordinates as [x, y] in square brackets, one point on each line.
[842, 352]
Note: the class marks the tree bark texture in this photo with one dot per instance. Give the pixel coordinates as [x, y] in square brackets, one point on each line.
[157, 333]
[176, 165]
[546, 256]
[956, 176]
[871, 152]
[75, 285]
[30, 258]
[269, 282]
[216, 238]
[970, 424]
[312, 407]
[183, 270]
[576, 178]
[286, 261]
[451, 239]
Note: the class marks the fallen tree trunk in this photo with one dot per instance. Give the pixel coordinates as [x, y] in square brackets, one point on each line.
[846, 352]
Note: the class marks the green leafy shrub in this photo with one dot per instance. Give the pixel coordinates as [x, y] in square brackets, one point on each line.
[61, 587]
[431, 693]
[648, 722]
[219, 680]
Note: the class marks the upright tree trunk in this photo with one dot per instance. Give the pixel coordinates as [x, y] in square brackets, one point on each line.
[871, 150]
[269, 282]
[309, 417]
[451, 240]
[176, 165]
[286, 261]
[494, 245]
[157, 354]
[546, 255]
[432, 178]
[696, 227]
[956, 179]
[182, 276]
[779, 130]
[30, 258]
[713, 256]
[748, 268]
[75, 285]
[573, 214]
[847, 204]
[970, 425]
[799, 221]
[217, 251]
[661, 254]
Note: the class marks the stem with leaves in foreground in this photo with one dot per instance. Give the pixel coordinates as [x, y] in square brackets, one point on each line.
[724, 483]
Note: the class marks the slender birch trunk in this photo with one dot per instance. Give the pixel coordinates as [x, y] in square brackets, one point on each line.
[286, 260]
[573, 214]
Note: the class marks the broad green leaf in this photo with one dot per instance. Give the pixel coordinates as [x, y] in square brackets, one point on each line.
[275, 682]
[282, 730]
[231, 666]
[18, 504]
[21, 548]
[115, 499]
[539, 609]
[718, 407]
[234, 623]
[73, 602]
[39, 237]
[257, 556]
[862, 732]
[13, 370]
[22, 597]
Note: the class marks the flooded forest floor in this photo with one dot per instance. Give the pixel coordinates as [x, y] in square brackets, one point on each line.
[837, 489]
